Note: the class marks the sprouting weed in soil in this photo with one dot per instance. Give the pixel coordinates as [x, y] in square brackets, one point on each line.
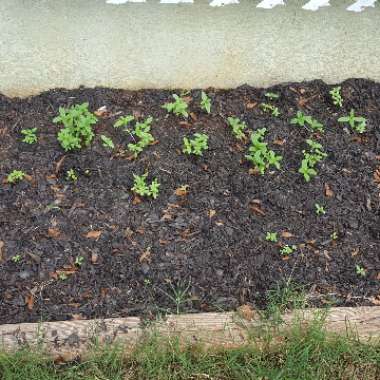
[334, 236]
[357, 123]
[107, 142]
[79, 261]
[237, 127]
[71, 175]
[196, 145]
[142, 133]
[140, 186]
[269, 108]
[205, 102]
[287, 250]
[300, 119]
[179, 296]
[271, 95]
[336, 96]
[315, 125]
[15, 176]
[77, 131]
[16, 259]
[147, 282]
[311, 158]
[259, 154]
[30, 136]
[123, 121]
[62, 276]
[271, 236]
[178, 107]
[360, 271]
[319, 210]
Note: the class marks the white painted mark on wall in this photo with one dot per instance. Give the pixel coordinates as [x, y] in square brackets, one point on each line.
[314, 5]
[221, 3]
[269, 4]
[175, 1]
[360, 5]
[117, 2]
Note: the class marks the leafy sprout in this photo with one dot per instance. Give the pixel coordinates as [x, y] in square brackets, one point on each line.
[30, 136]
[357, 123]
[107, 142]
[237, 127]
[141, 188]
[271, 236]
[196, 145]
[15, 176]
[336, 96]
[205, 102]
[178, 107]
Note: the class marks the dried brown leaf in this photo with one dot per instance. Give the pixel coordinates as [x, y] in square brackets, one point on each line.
[328, 192]
[54, 233]
[93, 234]
[146, 256]
[1, 250]
[29, 301]
[286, 234]
[246, 312]
[182, 191]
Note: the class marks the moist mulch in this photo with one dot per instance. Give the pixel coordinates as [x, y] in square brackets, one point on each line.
[205, 248]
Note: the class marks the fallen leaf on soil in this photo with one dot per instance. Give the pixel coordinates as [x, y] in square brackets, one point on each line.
[193, 116]
[128, 233]
[253, 171]
[54, 233]
[94, 257]
[211, 213]
[102, 111]
[239, 148]
[328, 191]
[251, 105]
[136, 200]
[182, 191]
[163, 242]
[255, 207]
[1, 250]
[140, 230]
[246, 312]
[146, 256]
[93, 234]
[185, 124]
[279, 142]
[59, 164]
[355, 252]
[286, 234]
[29, 301]
[376, 176]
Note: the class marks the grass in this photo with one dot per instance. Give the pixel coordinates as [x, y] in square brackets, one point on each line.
[299, 353]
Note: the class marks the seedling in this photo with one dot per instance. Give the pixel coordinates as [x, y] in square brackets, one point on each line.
[178, 107]
[196, 145]
[30, 136]
[16, 259]
[271, 236]
[79, 261]
[77, 131]
[15, 176]
[269, 108]
[334, 236]
[360, 271]
[107, 142]
[319, 210]
[311, 158]
[145, 138]
[259, 154]
[123, 121]
[357, 123]
[71, 175]
[271, 95]
[237, 127]
[62, 276]
[315, 125]
[336, 96]
[205, 102]
[287, 250]
[140, 186]
[301, 119]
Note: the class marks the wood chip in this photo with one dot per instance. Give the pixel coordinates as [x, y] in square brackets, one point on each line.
[255, 207]
[58, 165]
[376, 176]
[136, 200]
[146, 256]
[94, 257]
[1, 251]
[286, 234]
[54, 233]
[182, 191]
[29, 301]
[328, 192]
[279, 142]
[251, 105]
[102, 111]
[93, 235]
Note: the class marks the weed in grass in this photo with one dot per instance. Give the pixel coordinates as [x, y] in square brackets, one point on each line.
[71, 175]
[271, 95]
[196, 145]
[77, 122]
[237, 127]
[15, 176]
[360, 271]
[142, 133]
[178, 107]
[107, 142]
[319, 210]
[269, 108]
[123, 121]
[286, 250]
[271, 236]
[140, 186]
[336, 96]
[357, 123]
[259, 154]
[30, 136]
[311, 158]
[205, 102]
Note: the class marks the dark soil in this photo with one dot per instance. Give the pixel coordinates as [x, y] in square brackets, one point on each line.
[209, 244]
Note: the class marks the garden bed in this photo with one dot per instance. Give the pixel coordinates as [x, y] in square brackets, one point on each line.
[85, 248]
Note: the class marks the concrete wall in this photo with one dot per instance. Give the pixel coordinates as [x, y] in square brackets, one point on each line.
[67, 43]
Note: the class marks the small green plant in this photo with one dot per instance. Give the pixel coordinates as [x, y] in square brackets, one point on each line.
[271, 95]
[62, 276]
[360, 271]
[196, 145]
[357, 123]
[123, 121]
[15, 176]
[334, 236]
[140, 186]
[178, 107]
[271, 236]
[79, 261]
[319, 210]
[30, 136]
[336, 96]
[287, 250]
[259, 154]
[301, 119]
[71, 175]
[107, 142]
[315, 125]
[311, 158]
[16, 259]
[145, 138]
[269, 108]
[237, 127]
[205, 102]
[77, 131]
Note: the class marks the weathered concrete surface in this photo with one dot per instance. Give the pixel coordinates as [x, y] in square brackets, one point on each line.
[54, 43]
